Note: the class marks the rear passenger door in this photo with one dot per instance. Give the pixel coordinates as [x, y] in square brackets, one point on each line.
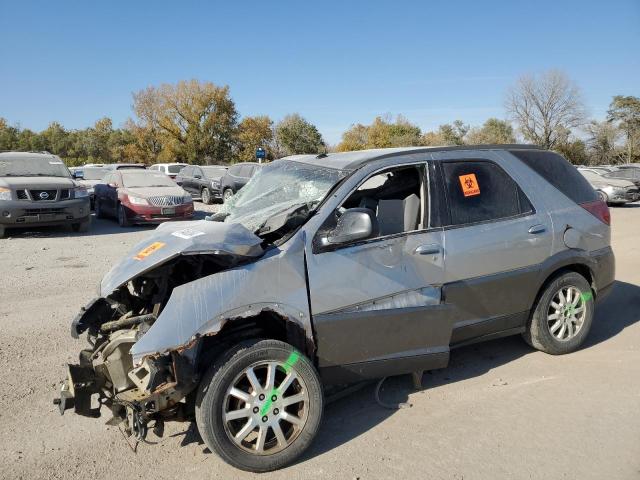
[495, 242]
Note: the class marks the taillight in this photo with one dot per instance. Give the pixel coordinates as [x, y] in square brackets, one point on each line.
[599, 210]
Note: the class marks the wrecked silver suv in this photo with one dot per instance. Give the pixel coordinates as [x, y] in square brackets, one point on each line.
[331, 269]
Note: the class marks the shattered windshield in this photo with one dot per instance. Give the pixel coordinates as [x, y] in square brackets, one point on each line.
[278, 187]
[36, 166]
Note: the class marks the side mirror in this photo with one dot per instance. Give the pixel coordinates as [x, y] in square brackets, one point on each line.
[354, 224]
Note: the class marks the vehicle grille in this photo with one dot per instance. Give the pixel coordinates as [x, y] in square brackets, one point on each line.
[43, 195]
[22, 195]
[166, 201]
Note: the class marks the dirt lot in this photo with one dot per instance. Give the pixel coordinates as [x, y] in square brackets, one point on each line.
[501, 410]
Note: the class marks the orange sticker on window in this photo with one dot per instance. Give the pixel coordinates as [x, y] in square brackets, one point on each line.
[469, 185]
[145, 252]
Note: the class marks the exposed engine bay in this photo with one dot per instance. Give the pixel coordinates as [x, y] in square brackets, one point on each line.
[155, 389]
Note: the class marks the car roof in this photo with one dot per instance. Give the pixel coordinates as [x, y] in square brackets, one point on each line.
[355, 159]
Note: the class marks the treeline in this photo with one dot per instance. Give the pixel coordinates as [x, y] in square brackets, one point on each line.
[197, 122]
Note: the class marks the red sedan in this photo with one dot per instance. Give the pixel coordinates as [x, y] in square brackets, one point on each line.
[141, 196]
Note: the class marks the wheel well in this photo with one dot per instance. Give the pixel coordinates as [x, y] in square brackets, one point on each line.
[579, 268]
[265, 325]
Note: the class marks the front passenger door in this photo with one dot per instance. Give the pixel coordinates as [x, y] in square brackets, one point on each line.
[376, 304]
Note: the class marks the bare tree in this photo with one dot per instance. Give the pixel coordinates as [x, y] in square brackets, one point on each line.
[544, 106]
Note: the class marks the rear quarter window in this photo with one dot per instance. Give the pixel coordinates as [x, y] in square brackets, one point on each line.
[480, 191]
[559, 173]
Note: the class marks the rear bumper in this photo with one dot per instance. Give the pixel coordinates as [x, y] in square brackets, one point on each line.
[604, 271]
[22, 213]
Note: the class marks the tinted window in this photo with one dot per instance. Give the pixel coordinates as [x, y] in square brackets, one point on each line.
[175, 168]
[559, 173]
[235, 170]
[186, 171]
[481, 191]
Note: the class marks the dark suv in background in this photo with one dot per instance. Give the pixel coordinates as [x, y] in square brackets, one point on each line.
[36, 189]
[202, 181]
[237, 177]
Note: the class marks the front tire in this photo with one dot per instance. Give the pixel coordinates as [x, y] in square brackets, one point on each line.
[206, 196]
[563, 315]
[123, 221]
[227, 194]
[260, 405]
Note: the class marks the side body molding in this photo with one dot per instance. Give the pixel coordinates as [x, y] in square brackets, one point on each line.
[276, 282]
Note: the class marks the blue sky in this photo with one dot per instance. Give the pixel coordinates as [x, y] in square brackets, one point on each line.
[334, 62]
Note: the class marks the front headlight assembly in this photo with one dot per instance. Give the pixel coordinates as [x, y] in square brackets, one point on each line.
[80, 192]
[138, 200]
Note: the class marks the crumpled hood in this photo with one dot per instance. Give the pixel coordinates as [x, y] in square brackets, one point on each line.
[182, 238]
[146, 192]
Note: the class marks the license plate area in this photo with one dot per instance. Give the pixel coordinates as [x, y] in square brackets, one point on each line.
[168, 211]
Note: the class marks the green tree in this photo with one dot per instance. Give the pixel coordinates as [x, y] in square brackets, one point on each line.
[295, 135]
[193, 121]
[254, 132]
[56, 139]
[493, 131]
[8, 136]
[625, 112]
[382, 133]
[447, 134]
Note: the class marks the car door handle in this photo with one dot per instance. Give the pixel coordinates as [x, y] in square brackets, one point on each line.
[537, 229]
[433, 249]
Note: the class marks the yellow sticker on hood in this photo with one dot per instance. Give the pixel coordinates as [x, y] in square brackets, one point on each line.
[145, 252]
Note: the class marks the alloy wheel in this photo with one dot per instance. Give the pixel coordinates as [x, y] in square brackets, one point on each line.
[266, 407]
[567, 312]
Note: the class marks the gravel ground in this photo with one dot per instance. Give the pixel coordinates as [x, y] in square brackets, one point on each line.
[501, 410]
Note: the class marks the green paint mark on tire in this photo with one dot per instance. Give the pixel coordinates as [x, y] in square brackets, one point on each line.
[586, 296]
[288, 365]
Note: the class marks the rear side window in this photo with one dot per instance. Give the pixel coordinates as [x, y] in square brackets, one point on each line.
[559, 173]
[480, 192]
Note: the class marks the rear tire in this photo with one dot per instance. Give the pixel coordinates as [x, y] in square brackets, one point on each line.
[269, 440]
[562, 316]
[82, 227]
[227, 194]
[123, 221]
[206, 196]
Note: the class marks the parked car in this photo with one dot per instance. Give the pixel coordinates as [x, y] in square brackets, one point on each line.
[202, 181]
[333, 269]
[613, 191]
[123, 166]
[170, 169]
[134, 196]
[237, 177]
[631, 174]
[89, 177]
[36, 189]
